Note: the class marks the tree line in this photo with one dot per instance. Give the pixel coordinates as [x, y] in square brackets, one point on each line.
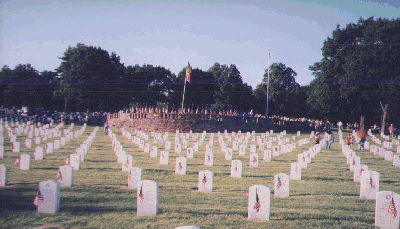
[357, 78]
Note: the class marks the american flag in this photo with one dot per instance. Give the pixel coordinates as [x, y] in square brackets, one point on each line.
[38, 199]
[257, 205]
[59, 176]
[141, 195]
[18, 160]
[279, 183]
[371, 182]
[204, 178]
[392, 209]
[188, 72]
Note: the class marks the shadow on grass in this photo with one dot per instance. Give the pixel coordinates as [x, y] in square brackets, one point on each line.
[18, 198]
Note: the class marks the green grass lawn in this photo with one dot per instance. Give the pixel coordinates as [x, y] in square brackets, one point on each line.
[326, 197]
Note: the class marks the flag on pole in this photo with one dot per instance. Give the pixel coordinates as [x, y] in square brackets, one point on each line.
[257, 204]
[392, 209]
[188, 72]
[38, 199]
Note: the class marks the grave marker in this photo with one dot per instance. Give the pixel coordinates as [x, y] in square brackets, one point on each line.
[3, 175]
[281, 184]
[236, 168]
[259, 203]
[369, 184]
[25, 162]
[180, 166]
[147, 198]
[387, 210]
[47, 199]
[295, 171]
[65, 176]
[134, 176]
[205, 181]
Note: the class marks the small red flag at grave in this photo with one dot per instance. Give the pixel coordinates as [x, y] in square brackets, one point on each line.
[204, 178]
[392, 209]
[18, 160]
[59, 176]
[257, 205]
[38, 199]
[141, 195]
[371, 182]
[279, 183]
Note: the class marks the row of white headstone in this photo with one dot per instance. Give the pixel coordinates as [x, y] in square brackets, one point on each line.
[386, 202]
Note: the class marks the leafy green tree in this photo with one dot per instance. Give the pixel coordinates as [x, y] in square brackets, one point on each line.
[88, 77]
[359, 72]
[281, 91]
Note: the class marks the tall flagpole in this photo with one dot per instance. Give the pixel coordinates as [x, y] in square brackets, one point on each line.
[266, 111]
[184, 85]
[183, 94]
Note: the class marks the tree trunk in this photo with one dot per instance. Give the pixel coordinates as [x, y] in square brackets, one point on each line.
[384, 114]
[362, 120]
[65, 104]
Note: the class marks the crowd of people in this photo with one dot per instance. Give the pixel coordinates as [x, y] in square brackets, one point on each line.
[47, 117]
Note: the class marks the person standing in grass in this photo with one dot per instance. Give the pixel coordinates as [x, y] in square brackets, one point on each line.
[329, 139]
[361, 134]
[106, 128]
[348, 140]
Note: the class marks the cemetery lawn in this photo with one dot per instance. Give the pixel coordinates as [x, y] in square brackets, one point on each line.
[326, 197]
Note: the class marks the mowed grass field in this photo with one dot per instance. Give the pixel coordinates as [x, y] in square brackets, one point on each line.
[326, 197]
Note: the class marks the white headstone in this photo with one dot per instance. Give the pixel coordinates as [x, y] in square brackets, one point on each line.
[281, 184]
[228, 154]
[190, 153]
[253, 160]
[205, 181]
[57, 144]
[259, 203]
[154, 151]
[358, 170]
[75, 161]
[25, 162]
[38, 154]
[275, 151]
[209, 159]
[164, 157]
[147, 198]
[389, 156]
[267, 155]
[16, 146]
[3, 175]
[396, 160]
[387, 210]
[47, 199]
[167, 145]
[128, 163]
[134, 176]
[242, 150]
[236, 168]
[65, 176]
[369, 184]
[295, 171]
[180, 167]
[49, 147]
[28, 143]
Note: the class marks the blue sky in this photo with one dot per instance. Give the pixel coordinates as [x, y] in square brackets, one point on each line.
[167, 33]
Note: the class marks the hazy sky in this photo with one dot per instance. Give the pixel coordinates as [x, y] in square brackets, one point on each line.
[167, 33]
